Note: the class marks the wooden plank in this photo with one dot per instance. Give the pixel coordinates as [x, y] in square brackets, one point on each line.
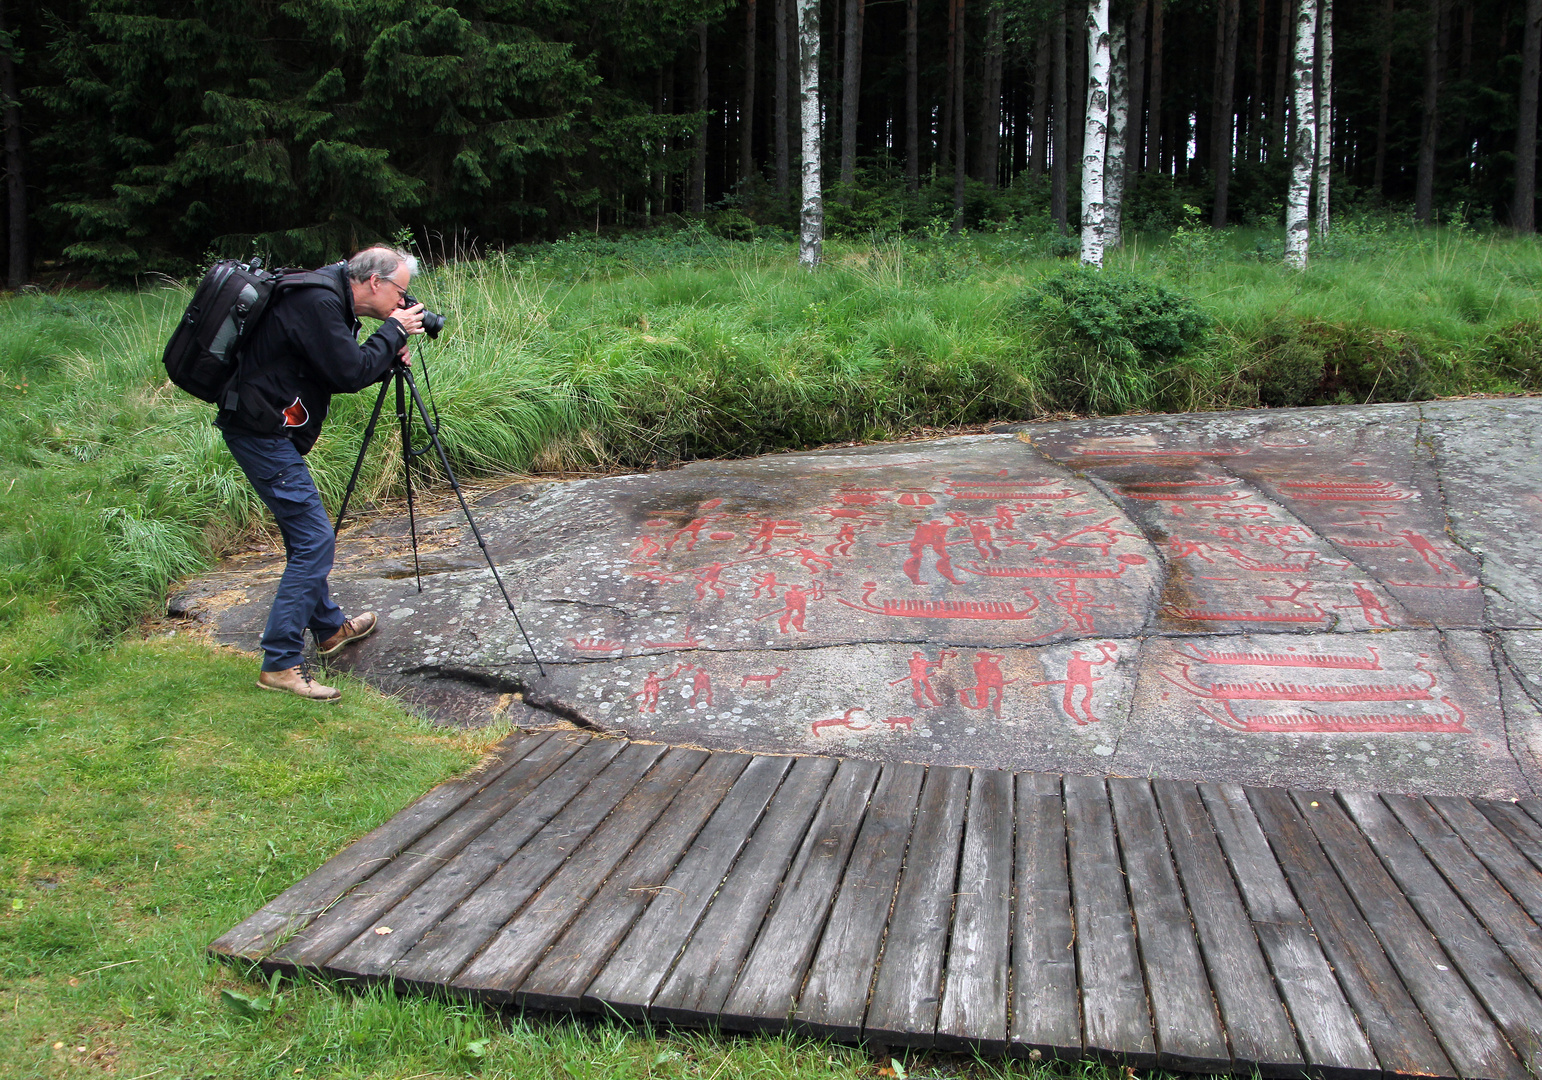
[1501, 910]
[906, 990]
[1517, 827]
[513, 952]
[1046, 1000]
[766, 991]
[1116, 1020]
[1389, 1017]
[1188, 1031]
[1514, 871]
[1403, 882]
[543, 787]
[974, 990]
[1331, 1039]
[704, 974]
[458, 936]
[295, 907]
[835, 991]
[1250, 1006]
[561, 978]
[1533, 807]
[630, 977]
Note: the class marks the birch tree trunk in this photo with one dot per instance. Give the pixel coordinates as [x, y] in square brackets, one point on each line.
[1228, 15]
[1116, 173]
[1095, 132]
[19, 261]
[851, 92]
[1523, 204]
[1038, 156]
[698, 187]
[811, 233]
[1298, 226]
[747, 105]
[781, 122]
[1057, 169]
[990, 100]
[1325, 118]
[1434, 61]
[912, 97]
[1154, 108]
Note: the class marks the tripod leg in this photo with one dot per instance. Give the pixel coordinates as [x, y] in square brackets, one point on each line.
[444, 460]
[405, 420]
[369, 433]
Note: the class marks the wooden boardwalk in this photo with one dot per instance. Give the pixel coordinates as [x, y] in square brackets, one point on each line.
[1203, 927]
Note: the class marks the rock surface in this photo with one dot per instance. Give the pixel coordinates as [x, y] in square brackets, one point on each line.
[1336, 597]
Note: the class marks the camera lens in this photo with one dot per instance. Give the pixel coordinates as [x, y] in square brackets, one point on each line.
[433, 322]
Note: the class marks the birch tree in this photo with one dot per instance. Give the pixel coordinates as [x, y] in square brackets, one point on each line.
[1115, 168]
[812, 218]
[1298, 226]
[1095, 132]
[1325, 118]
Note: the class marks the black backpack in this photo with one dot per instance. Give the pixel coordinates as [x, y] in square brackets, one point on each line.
[203, 355]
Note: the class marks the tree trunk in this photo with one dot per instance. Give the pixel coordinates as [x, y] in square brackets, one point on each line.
[1095, 133]
[1228, 15]
[1278, 128]
[1136, 149]
[19, 263]
[1058, 170]
[1154, 107]
[851, 91]
[782, 121]
[1078, 86]
[1116, 172]
[1523, 205]
[958, 123]
[1039, 155]
[989, 163]
[698, 191]
[1298, 227]
[912, 97]
[1378, 173]
[945, 135]
[1256, 105]
[1429, 131]
[811, 232]
[1325, 117]
[747, 105]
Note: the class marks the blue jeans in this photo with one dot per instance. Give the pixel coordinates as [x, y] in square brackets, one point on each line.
[284, 483]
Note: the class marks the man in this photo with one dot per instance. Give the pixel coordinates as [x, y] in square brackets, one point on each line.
[305, 350]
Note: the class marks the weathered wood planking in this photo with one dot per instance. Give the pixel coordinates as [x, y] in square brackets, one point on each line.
[1200, 927]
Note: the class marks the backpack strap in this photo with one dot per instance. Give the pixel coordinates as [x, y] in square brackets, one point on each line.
[286, 281]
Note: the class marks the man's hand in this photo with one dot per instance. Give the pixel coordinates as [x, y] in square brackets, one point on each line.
[411, 319]
[404, 358]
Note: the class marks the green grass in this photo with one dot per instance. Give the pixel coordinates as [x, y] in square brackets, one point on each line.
[154, 797]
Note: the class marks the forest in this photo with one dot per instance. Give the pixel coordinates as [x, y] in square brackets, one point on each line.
[143, 138]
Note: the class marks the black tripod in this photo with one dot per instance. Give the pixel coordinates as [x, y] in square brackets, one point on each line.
[401, 375]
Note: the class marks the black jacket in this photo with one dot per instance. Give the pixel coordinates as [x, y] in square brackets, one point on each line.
[305, 350]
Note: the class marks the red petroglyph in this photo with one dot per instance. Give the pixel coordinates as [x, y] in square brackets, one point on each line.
[768, 583]
[1022, 496]
[1296, 589]
[708, 578]
[1428, 552]
[652, 684]
[997, 484]
[920, 677]
[988, 683]
[1178, 548]
[1340, 485]
[712, 504]
[769, 531]
[701, 683]
[1206, 499]
[1384, 491]
[843, 540]
[1195, 614]
[1078, 513]
[844, 720]
[897, 722]
[1348, 541]
[916, 498]
[1384, 723]
[646, 548]
[690, 641]
[657, 576]
[1274, 691]
[766, 679]
[1370, 605]
[947, 609]
[858, 498]
[929, 534]
[980, 534]
[812, 561]
[720, 536]
[1303, 660]
[1156, 452]
[847, 513]
[1053, 568]
[1205, 481]
[656, 523]
[1075, 601]
[1107, 529]
[1080, 676]
[594, 644]
[795, 607]
[693, 531]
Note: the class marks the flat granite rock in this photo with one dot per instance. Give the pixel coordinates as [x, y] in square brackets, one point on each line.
[1334, 597]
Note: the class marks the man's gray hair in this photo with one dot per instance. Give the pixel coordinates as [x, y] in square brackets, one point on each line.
[380, 260]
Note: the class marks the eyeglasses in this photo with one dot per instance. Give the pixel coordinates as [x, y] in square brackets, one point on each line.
[401, 292]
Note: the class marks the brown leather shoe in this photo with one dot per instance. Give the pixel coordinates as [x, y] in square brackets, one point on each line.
[296, 681]
[360, 626]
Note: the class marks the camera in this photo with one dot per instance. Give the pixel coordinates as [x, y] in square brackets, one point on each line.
[433, 322]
